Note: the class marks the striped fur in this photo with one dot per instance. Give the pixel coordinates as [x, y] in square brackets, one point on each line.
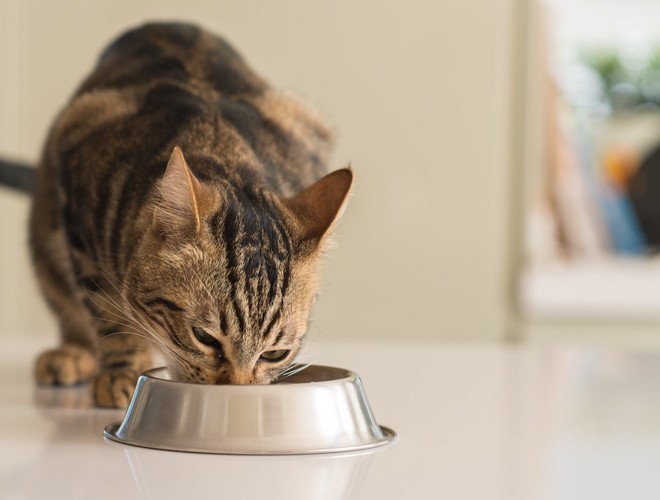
[137, 246]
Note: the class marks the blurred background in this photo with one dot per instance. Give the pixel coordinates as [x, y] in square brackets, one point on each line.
[591, 191]
[508, 176]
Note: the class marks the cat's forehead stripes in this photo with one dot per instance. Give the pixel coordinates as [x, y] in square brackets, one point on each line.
[258, 256]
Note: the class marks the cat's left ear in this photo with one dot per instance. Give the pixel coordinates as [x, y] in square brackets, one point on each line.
[318, 208]
[182, 198]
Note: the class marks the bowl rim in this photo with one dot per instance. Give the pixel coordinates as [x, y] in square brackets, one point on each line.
[349, 376]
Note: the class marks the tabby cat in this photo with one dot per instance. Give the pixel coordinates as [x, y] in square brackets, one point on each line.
[212, 257]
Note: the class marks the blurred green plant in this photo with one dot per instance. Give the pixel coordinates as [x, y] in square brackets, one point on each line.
[607, 64]
[626, 85]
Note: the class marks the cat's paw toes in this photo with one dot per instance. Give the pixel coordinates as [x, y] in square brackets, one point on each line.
[114, 388]
[66, 365]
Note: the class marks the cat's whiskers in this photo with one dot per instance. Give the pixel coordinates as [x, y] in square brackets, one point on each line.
[165, 349]
[141, 322]
[120, 313]
[127, 332]
[129, 323]
[117, 319]
[293, 369]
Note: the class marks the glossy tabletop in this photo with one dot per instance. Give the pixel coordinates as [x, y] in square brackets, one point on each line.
[474, 421]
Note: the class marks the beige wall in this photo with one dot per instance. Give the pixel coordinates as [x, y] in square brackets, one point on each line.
[420, 93]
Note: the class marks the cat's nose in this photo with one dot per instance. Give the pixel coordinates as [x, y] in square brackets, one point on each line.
[241, 377]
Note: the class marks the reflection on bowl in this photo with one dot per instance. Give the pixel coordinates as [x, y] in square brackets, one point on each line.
[319, 410]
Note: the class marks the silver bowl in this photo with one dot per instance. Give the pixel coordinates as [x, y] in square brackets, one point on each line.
[318, 410]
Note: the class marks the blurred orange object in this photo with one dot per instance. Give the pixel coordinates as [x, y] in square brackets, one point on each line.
[618, 166]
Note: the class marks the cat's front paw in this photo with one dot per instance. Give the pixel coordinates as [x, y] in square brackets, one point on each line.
[114, 388]
[66, 365]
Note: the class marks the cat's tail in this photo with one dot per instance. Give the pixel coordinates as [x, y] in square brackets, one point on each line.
[17, 175]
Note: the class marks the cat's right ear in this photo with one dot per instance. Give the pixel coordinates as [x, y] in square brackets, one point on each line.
[182, 199]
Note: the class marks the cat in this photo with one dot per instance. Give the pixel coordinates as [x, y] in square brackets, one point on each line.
[181, 204]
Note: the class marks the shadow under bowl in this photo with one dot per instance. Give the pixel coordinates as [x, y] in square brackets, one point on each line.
[318, 410]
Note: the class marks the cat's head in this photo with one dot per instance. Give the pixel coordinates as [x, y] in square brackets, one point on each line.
[226, 278]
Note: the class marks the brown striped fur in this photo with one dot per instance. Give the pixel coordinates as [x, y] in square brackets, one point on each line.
[211, 258]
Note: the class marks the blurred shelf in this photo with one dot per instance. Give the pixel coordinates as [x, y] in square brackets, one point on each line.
[604, 289]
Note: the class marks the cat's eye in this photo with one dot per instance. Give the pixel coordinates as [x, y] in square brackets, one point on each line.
[206, 339]
[275, 356]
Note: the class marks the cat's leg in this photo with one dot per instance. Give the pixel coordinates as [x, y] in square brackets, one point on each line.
[74, 361]
[121, 348]
[99, 342]
[90, 317]
[123, 356]
[69, 364]
[96, 339]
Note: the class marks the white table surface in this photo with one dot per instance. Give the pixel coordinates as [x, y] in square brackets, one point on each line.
[475, 421]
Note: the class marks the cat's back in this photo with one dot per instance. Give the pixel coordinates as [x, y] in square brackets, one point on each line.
[174, 52]
[153, 81]
[167, 84]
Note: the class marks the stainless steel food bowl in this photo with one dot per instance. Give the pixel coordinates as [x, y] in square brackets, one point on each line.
[318, 410]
